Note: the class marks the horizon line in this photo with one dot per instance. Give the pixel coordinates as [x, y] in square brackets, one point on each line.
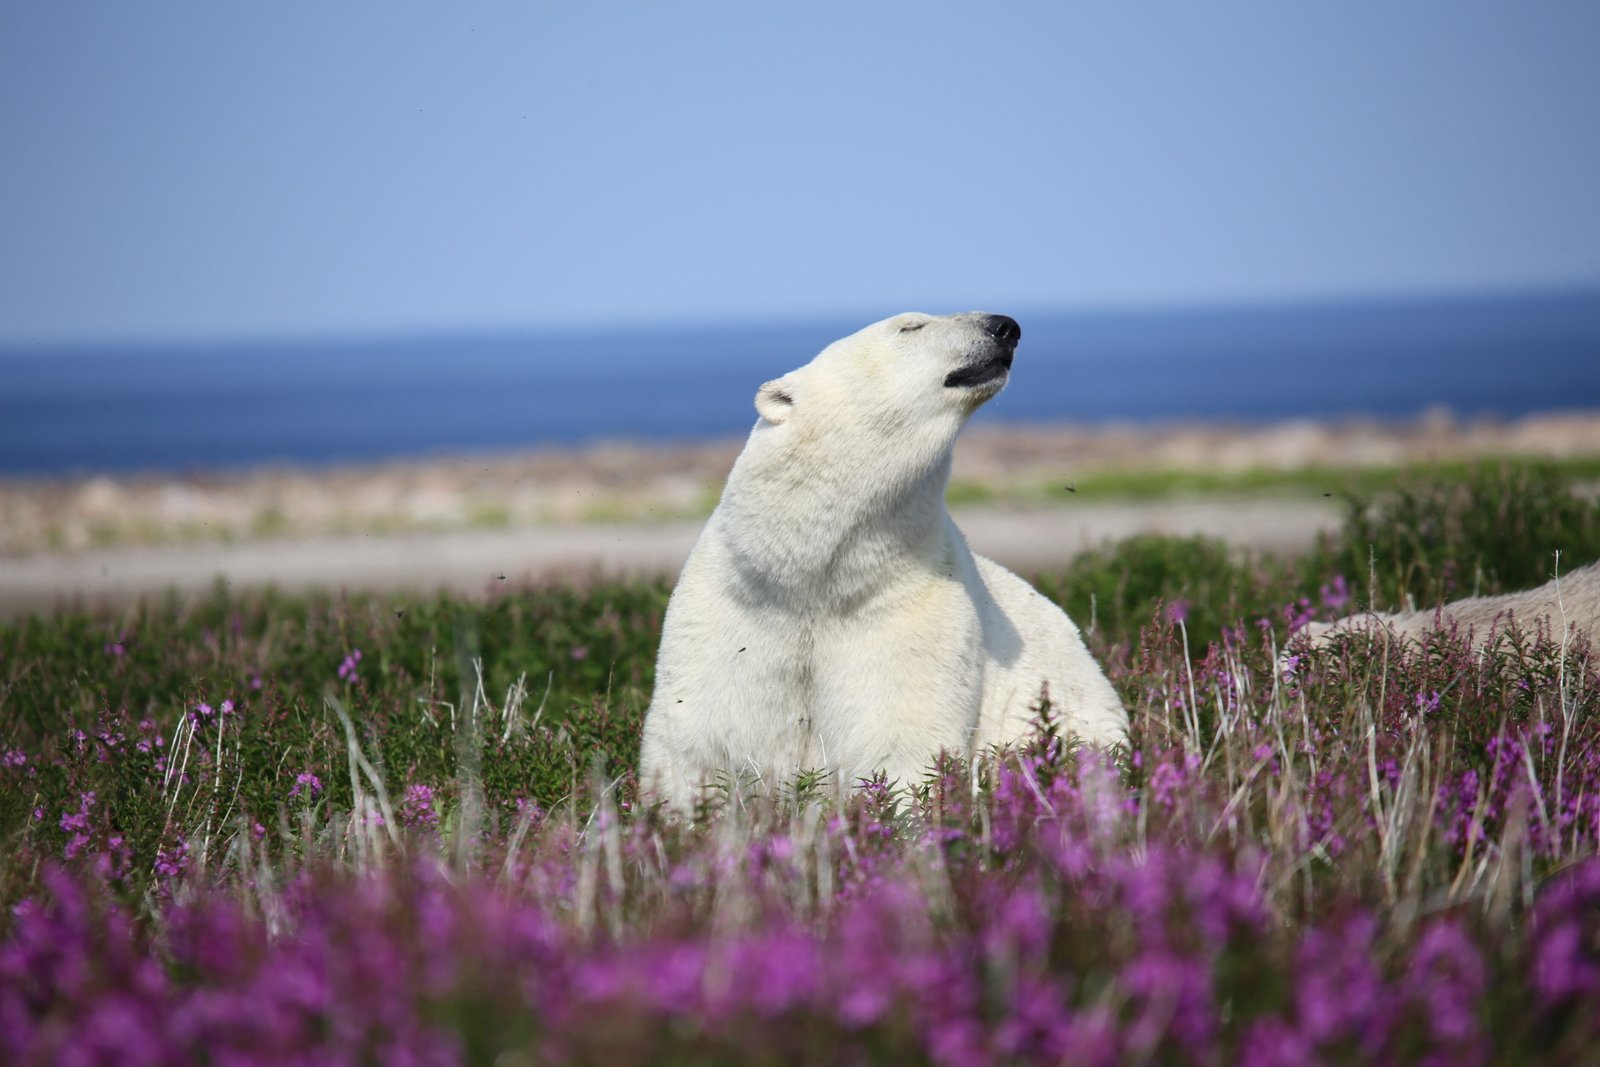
[740, 320]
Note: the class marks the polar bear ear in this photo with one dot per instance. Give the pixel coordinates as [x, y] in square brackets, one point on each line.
[775, 399]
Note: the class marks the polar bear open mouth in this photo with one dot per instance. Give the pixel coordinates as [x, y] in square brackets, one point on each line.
[982, 372]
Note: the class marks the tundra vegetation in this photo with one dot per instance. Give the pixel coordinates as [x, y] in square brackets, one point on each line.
[261, 829]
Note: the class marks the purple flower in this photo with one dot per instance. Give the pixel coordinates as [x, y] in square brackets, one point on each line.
[171, 862]
[1341, 996]
[1271, 1043]
[1566, 938]
[1449, 979]
[416, 809]
[149, 740]
[308, 782]
[1174, 992]
[347, 669]
[76, 823]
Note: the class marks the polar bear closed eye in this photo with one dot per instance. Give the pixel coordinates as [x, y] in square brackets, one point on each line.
[831, 616]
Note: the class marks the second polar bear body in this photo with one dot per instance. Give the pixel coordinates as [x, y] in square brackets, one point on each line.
[831, 616]
[1567, 604]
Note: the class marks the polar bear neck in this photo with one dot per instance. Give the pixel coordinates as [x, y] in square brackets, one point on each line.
[826, 520]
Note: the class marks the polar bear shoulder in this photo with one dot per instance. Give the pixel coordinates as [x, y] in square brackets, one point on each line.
[1032, 645]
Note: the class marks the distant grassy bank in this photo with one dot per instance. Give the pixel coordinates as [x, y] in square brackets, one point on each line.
[641, 483]
[1146, 483]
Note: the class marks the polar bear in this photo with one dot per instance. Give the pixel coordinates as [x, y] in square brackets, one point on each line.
[831, 617]
[1568, 604]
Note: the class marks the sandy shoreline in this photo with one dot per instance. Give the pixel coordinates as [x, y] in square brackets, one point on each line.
[464, 522]
[659, 481]
[476, 561]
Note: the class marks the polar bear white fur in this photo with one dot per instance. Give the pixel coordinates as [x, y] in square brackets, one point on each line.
[1568, 605]
[831, 617]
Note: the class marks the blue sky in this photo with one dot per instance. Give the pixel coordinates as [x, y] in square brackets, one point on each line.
[205, 171]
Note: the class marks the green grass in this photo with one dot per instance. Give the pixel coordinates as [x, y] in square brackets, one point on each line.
[1158, 483]
[566, 670]
[565, 675]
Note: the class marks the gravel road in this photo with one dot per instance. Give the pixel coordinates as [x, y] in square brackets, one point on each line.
[473, 561]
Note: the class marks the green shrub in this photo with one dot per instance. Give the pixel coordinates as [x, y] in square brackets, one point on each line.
[1493, 531]
[1117, 589]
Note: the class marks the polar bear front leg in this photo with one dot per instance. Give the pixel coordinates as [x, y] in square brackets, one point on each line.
[892, 692]
[664, 777]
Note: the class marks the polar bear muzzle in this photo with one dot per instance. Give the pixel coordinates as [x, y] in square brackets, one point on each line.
[995, 363]
[1003, 328]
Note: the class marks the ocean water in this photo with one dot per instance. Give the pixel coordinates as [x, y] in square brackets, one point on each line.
[210, 407]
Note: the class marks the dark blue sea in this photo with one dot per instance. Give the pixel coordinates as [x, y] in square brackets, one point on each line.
[205, 407]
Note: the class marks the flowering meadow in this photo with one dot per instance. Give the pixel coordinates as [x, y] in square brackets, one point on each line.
[401, 830]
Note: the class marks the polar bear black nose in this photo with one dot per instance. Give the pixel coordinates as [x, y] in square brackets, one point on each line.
[1002, 328]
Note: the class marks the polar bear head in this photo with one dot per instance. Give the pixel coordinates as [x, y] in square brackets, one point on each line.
[854, 448]
[925, 373]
